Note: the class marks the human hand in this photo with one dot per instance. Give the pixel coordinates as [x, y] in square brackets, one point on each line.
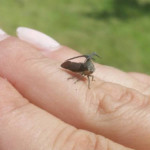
[116, 107]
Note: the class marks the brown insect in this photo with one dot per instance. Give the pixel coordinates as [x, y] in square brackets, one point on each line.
[85, 69]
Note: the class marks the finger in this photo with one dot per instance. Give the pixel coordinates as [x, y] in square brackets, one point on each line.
[141, 77]
[108, 109]
[105, 73]
[24, 126]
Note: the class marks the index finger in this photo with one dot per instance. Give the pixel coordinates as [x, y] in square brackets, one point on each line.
[103, 72]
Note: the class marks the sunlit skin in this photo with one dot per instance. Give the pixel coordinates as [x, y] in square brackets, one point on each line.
[41, 110]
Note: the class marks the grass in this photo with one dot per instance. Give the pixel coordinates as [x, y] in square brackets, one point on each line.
[118, 30]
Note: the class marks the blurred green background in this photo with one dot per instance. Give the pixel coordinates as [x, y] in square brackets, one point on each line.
[118, 30]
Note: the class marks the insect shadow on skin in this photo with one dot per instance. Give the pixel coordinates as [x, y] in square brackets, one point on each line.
[85, 68]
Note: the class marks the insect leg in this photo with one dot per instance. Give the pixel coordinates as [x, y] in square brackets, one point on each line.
[82, 74]
[76, 80]
[92, 77]
[88, 81]
[70, 78]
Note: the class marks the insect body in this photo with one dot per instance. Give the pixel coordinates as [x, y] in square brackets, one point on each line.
[85, 69]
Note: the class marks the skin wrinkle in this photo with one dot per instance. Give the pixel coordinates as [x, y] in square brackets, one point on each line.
[136, 99]
[83, 141]
[44, 69]
[107, 105]
[61, 137]
[101, 143]
[45, 134]
[99, 109]
[103, 104]
[121, 94]
[96, 144]
[43, 61]
[69, 139]
[126, 95]
[13, 109]
[92, 99]
[114, 90]
[58, 136]
[125, 100]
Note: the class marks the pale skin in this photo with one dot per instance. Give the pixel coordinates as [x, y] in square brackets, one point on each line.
[41, 110]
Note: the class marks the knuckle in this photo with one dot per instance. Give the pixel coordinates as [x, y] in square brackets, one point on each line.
[110, 104]
[82, 140]
[16, 51]
[114, 100]
[12, 48]
[20, 55]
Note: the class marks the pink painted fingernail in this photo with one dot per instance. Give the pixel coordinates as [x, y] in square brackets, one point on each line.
[38, 39]
[3, 35]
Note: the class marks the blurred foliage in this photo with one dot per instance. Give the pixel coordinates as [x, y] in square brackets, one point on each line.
[118, 30]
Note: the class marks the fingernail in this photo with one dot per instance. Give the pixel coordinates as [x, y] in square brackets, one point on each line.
[38, 39]
[3, 35]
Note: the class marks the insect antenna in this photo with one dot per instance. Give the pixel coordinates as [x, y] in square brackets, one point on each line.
[77, 57]
[90, 56]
